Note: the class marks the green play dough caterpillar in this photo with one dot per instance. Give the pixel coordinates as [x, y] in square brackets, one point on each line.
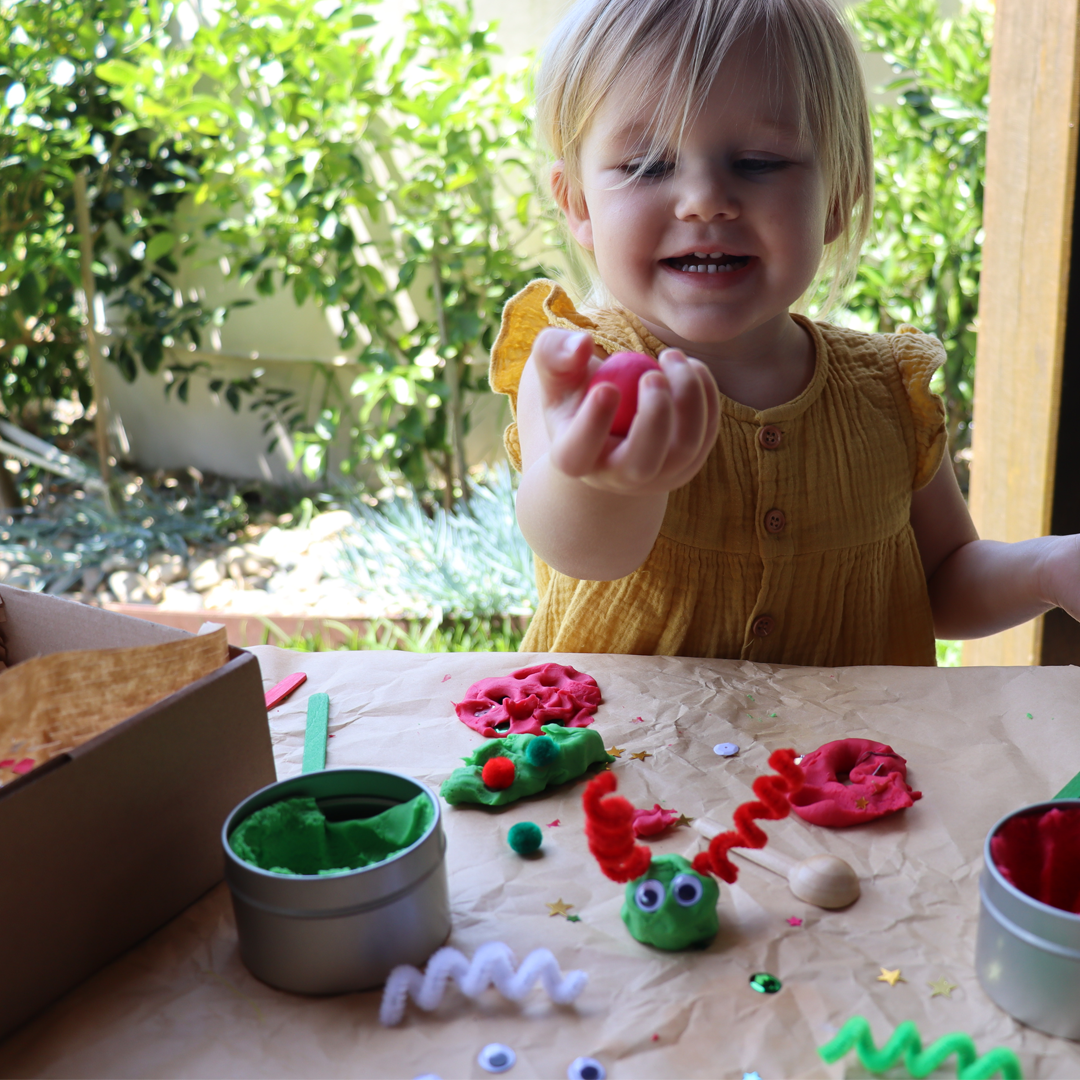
[578, 748]
[671, 906]
[293, 836]
[906, 1044]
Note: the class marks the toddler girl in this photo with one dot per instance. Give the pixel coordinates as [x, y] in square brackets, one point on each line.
[781, 495]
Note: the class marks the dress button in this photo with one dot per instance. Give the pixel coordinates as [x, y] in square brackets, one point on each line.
[770, 436]
[763, 626]
[775, 521]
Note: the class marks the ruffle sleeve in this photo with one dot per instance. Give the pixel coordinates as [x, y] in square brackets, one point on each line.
[918, 356]
[544, 303]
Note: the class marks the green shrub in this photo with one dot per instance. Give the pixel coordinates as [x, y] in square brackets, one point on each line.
[923, 265]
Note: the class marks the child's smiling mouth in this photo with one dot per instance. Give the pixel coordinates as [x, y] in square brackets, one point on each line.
[705, 262]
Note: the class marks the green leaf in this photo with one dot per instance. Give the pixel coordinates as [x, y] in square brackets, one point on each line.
[118, 72]
[159, 245]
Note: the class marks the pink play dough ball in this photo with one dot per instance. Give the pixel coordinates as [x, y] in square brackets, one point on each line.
[624, 369]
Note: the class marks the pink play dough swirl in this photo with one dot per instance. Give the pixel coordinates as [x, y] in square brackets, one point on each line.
[521, 702]
[877, 786]
[654, 821]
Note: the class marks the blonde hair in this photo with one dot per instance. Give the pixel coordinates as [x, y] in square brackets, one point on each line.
[678, 46]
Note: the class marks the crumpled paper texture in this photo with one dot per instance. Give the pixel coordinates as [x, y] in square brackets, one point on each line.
[182, 1004]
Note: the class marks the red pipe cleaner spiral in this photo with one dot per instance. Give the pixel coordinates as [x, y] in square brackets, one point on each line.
[773, 791]
[610, 831]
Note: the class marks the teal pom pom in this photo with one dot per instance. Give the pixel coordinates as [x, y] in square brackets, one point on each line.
[542, 750]
[525, 837]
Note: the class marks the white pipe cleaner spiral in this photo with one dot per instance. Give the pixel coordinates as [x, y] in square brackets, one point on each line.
[493, 965]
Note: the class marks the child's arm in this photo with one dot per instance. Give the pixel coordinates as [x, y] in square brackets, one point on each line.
[978, 587]
[590, 504]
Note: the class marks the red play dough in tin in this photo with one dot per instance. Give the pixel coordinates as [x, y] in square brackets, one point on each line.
[1040, 854]
[877, 783]
[521, 702]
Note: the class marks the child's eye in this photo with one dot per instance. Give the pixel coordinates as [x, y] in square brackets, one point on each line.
[649, 170]
[760, 166]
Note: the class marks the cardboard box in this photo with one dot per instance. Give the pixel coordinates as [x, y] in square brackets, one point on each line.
[105, 843]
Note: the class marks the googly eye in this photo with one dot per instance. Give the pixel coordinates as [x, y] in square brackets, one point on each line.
[649, 895]
[496, 1058]
[687, 889]
[584, 1068]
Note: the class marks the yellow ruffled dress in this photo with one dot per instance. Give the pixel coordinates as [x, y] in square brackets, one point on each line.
[793, 544]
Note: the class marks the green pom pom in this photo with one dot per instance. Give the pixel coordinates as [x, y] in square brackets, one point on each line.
[542, 750]
[525, 837]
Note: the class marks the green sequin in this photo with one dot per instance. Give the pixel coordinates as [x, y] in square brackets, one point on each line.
[764, 983]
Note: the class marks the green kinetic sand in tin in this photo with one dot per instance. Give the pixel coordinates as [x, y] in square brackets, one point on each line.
[671, 906]
[578, 748]
[293, 837]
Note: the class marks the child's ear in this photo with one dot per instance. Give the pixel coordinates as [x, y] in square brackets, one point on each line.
[572, 204]
[834, 223]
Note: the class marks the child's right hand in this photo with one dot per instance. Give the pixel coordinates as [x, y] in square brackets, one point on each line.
[671, 436]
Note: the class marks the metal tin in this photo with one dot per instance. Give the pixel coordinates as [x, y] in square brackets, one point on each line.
[331, 934]
[1027, 954]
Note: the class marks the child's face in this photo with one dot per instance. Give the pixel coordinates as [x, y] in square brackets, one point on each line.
[745, 190]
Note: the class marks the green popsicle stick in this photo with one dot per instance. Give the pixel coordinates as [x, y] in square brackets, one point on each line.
[318, 721]
[1071, 790]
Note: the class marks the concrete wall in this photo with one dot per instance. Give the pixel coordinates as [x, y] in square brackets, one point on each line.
[284, 339]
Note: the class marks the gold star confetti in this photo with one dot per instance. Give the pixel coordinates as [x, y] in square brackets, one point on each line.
[942, 987]
[560, 907]
[616, 751]
[682, 819]
[891, 977]
[861, 803]
[641, 755]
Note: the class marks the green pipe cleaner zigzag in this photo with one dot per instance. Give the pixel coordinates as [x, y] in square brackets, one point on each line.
[907, 1044]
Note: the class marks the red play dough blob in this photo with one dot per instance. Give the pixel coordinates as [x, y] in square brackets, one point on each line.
[624, 369]
[651, 822]
[877, 774]
[525, 700]
[498, 773]
[1040, 854]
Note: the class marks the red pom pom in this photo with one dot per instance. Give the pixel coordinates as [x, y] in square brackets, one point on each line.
[498, 773]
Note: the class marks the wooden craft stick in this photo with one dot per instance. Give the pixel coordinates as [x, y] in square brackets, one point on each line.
[1071, 790]
[315, 735]
[280, 691]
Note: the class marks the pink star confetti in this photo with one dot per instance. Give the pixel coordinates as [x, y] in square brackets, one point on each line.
[656, 1038]
[794, 921]
[554, 824]
[638, 720]
[446, 678]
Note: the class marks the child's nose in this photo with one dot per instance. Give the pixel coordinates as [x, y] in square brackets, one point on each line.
[705, 196]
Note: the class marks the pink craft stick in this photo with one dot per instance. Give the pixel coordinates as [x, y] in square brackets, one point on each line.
[277, 694]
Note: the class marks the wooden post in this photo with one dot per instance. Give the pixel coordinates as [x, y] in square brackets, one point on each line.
[86, 246]
[1030, 189]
